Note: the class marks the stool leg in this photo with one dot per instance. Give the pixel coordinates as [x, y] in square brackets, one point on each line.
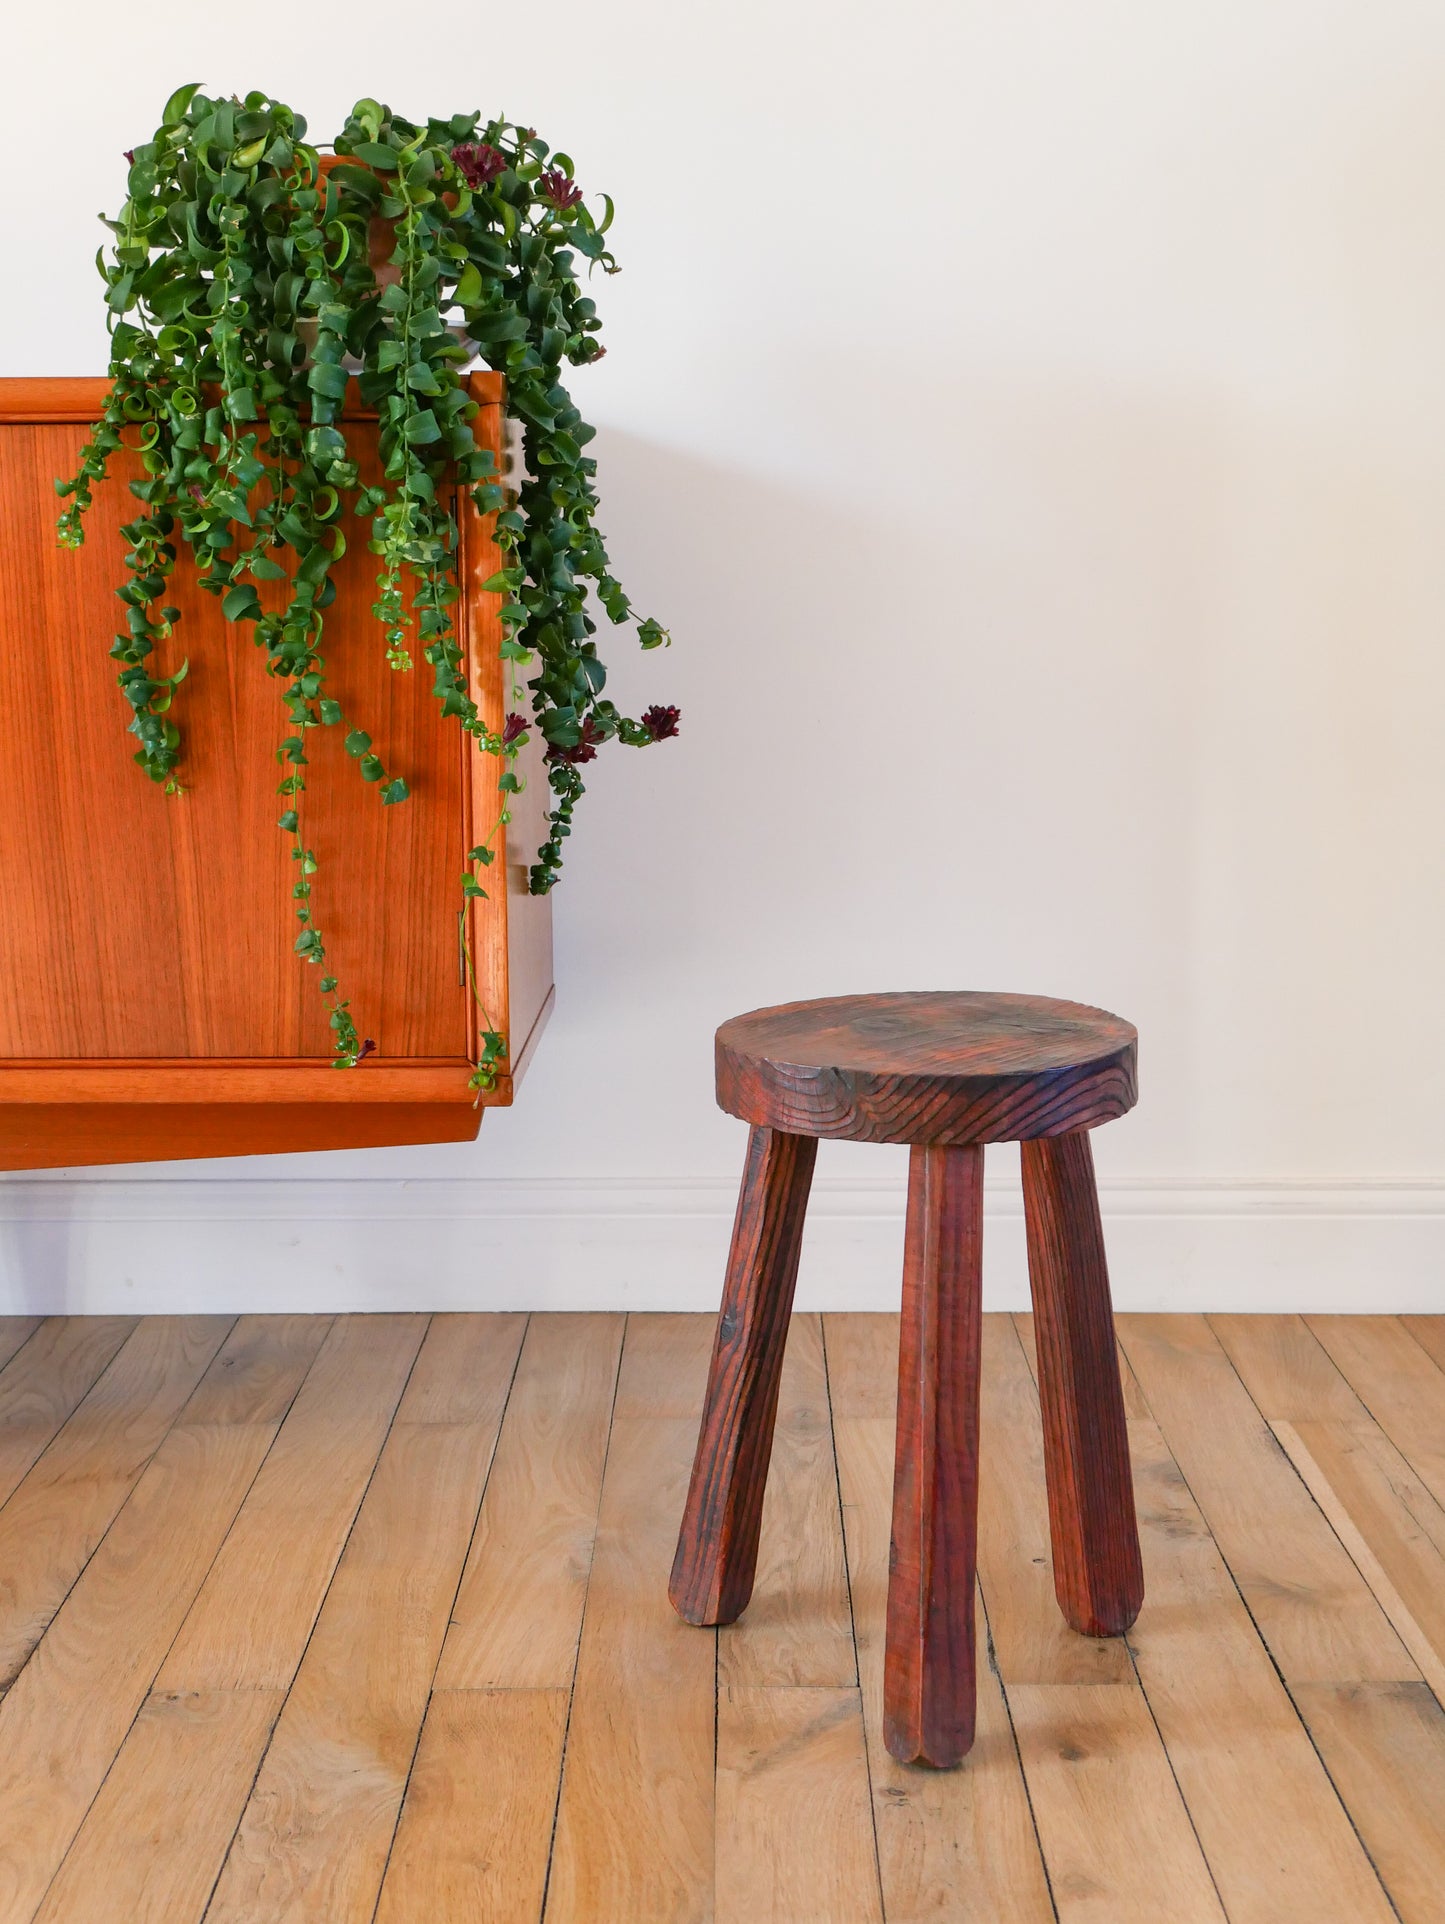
[928, 1669]
[717, 1548]
[1098, 1576]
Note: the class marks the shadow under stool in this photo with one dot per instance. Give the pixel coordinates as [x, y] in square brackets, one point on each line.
[946, 1073]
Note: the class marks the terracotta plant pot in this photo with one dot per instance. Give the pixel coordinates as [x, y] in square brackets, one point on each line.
[380, 232]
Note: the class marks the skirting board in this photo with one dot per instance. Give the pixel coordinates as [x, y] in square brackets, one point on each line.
[152, 1246]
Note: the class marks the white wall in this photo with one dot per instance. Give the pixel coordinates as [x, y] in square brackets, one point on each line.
[1031, 422]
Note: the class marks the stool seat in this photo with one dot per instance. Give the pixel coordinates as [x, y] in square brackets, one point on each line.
[949, 1066]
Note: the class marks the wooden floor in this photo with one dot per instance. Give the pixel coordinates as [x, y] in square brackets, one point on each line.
[367, 1618]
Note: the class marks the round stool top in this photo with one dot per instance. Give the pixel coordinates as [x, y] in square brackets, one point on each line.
[949, 1066]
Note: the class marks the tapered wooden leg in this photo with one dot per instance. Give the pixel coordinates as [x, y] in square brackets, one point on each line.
[1098, 1576]
[717, 1548]
[928, 1680]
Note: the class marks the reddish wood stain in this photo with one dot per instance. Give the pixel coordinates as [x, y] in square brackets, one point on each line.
[946, 1073]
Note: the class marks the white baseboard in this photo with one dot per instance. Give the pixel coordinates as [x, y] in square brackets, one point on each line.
[137, 1245]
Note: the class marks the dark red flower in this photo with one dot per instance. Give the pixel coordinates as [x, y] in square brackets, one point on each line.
[660, 722]
[367, 1048]
[478, 165]
[130, 156]
[586, 749]
[556, 188]
[514, 726]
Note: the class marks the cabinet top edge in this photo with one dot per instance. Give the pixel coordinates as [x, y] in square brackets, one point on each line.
[50, 399]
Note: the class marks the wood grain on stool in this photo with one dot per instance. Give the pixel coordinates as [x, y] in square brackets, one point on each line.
[958, 1066]
[928, 1681]
[1098, 1576]
[717, 1550]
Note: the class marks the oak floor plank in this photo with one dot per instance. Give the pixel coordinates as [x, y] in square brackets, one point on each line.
[64, 1718]
[635, 1820]
[1385, 1747]
[1272, 1828]
[862, 1363]
[43, 1382]
[1381, 1489]
[1032, 1642]
[466, 1371]
[15, 1333]
[250, 1623]
[794, 1836]
[1314, 1610]
[664, 1369]
[1286, 1369]
[184, 1770]
[518, 1614]
[1385, 1516]
[1116, 1836]
[1269, 1819]
[1429, 1333]
[797, 1628]
[149, 1850]
[476, 1826]
[315, 1834]
[954, 1846]
[1399, 1383]
[1389, 1523]
[54, 1520]
[259, 1370]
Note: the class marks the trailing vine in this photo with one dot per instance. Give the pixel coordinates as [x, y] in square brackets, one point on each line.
[243, 300]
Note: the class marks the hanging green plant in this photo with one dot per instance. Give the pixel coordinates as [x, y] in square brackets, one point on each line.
[245, 291]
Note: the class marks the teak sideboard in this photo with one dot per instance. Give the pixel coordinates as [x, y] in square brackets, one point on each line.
[151, 1006]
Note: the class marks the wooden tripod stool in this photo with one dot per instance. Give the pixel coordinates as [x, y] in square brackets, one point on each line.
[945, 1073]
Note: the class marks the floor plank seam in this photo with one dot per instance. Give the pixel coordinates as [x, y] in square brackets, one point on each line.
[1356, 1395]
[581, 1627]
[1008, 1711]
[20, 1351]
[1263, 1640]
[50, 1445]
[1399, 1319]
[321, 1605]
[1373, 1574]
[451, 1611]
[290, 1405]
[100, 1374]
[852, 1627]
[1379, 1423]
[1143, 1690]
[1174, 1777]
[1304, 1323]
[1379, 1420]
[145, 1699]
[1031, 1366]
